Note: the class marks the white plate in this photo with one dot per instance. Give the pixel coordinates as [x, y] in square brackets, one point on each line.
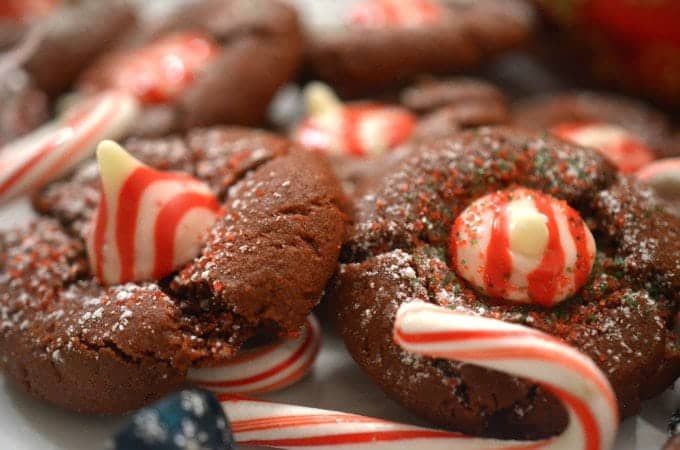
[335, 383]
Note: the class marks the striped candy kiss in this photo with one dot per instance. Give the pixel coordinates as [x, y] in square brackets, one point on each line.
[614, 142]
[148, 222]
[32, 161]
[395, 13]
[437, 332]
[264, 369]
[158, 72]
[522, 245]
[360, 130]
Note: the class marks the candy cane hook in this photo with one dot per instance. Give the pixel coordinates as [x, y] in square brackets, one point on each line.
[435, 331]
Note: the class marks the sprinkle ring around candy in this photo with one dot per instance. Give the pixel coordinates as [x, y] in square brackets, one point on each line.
[264, 369]
[429, 330]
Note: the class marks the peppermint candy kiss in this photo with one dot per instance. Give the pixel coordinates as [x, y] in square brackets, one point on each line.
[522, 245]
[436, 332]
[158, 72]
[32, 161]
[265, 369]
[148, 222]
[622, 148]
[395, 13]
[361, 129]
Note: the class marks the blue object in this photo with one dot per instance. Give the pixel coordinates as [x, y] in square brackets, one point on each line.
[190, 419]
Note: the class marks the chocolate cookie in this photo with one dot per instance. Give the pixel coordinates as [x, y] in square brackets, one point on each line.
[263, 265]
[403, 246]
[642, 121]
[234, 56]
[366, 45]
[69, 37]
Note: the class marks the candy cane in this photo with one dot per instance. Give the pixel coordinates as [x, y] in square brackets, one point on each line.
[32, 161]
[265, 369]
[437, 332]
[662, 173]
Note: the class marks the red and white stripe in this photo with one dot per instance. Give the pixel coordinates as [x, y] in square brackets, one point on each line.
[626, 151]
[663, 175]
[395, 13]
[483, 253]
[265, 369]
[437, 332]
[32, 161]
[361, 130]
[148, 222]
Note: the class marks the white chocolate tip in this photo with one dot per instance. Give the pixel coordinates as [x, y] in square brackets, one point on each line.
[115, 163]
[320, 98]
[528, 232]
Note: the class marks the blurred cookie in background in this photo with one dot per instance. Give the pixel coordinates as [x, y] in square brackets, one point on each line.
[68, 35]
[364, 45]
[208, 62]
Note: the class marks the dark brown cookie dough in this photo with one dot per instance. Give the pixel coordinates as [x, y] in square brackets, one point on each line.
[643, 121]
[95, 349]
[69, 38]
[260, 50]
[356, 60]
[397, 252]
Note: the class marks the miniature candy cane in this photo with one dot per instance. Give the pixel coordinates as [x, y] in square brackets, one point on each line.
[264, 369]
[437, 332]
[32, 161]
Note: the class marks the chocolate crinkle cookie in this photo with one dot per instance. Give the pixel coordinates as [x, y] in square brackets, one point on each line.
[423, 230]
[72, 341]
